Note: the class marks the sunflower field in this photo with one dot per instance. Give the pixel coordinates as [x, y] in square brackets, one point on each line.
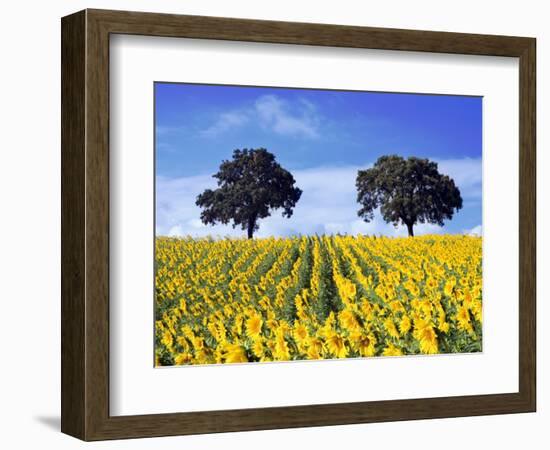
[315, 297]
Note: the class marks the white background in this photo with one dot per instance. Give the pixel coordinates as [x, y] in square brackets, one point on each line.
[136, 387]
[30, 234]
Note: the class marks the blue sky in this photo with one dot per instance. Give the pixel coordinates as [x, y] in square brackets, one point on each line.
[323, 137]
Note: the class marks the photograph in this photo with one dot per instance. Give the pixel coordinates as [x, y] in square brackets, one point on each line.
[274, 221]
[300, 224]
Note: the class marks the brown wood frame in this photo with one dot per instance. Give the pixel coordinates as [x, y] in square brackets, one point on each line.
[85, 224]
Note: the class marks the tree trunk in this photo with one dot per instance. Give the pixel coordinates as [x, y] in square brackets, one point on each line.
[410, 229]
[251, 225]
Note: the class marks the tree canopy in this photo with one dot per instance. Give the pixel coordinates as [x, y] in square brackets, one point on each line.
[250, 186]
[408, 191]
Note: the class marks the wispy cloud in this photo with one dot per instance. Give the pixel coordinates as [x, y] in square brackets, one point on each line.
[164, 137]
[273, 114]
[467, 174]
[476, 231]
[165, 147]
[165, 130]
[328, 204]
[226, 121]
[276, 114]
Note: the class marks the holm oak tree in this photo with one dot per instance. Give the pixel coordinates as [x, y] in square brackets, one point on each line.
[408, 191]
[250, 186]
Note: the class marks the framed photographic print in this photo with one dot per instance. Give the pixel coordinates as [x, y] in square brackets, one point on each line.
[272, 224]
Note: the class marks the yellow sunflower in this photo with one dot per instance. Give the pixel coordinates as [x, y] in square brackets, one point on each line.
[336, 345]
[235, 353]
[392, 350]
[254, 326]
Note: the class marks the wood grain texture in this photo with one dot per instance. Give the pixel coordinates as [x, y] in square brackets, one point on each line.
[97, 226]
[85, 224]
[73, 109]
[527, 224]
[202, 27]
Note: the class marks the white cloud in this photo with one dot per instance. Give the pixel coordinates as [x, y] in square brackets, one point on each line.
[298, 119]
[328, 205]
[275, 114]
[467, 174]
[176, 212]
[378, 226]
[226, 121]
[175, 231]
[476, 231]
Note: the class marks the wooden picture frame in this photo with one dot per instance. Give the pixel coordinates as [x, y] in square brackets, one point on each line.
[85, 224]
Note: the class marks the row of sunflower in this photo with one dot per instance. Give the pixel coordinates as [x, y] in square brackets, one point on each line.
[316, 297]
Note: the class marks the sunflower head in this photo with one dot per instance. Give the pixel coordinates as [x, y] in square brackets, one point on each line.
[392, 350]
[254, 326]
[235, 353]
[336, 345]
